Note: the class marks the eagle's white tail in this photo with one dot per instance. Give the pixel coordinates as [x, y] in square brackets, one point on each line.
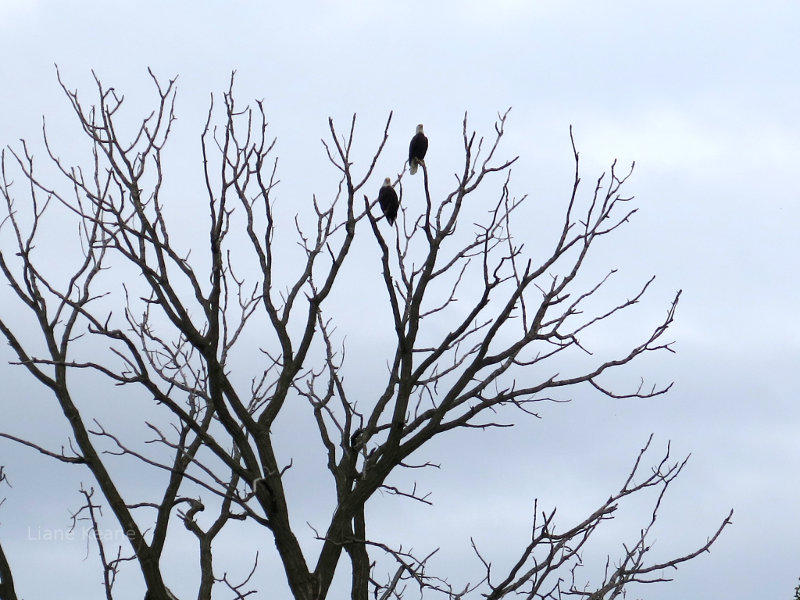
[412, 168]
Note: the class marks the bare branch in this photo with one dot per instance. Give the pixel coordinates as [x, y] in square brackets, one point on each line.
[216, 342]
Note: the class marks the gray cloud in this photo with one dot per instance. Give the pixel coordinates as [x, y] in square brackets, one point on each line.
[701, 97]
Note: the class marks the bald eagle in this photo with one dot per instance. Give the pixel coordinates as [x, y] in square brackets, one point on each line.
[387, 198]
[417, 149]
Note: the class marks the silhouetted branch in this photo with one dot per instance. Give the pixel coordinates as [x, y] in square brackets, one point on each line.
[214, 336]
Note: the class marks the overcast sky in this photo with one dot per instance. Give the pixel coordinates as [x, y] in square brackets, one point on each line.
[703, 95]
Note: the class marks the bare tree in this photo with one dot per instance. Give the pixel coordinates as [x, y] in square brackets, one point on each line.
[481, 332]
